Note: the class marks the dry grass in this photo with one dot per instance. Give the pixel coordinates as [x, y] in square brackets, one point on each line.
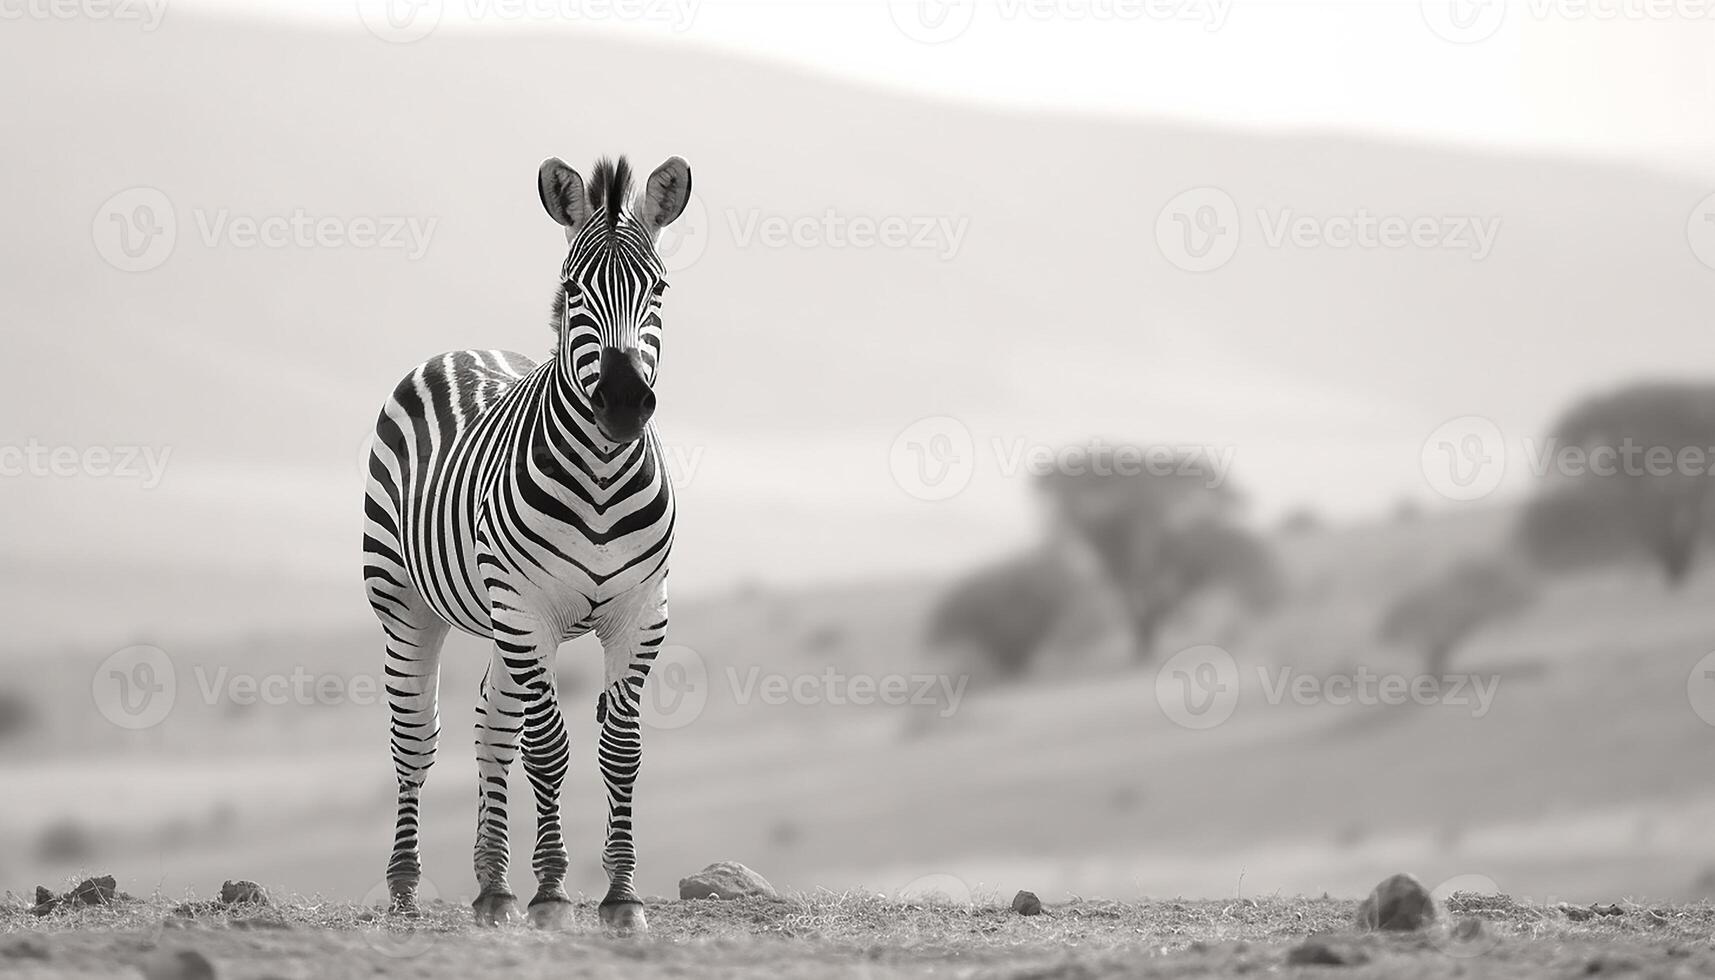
[853, 935]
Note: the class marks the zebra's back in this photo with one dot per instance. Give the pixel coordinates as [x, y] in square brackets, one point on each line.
[439, 442]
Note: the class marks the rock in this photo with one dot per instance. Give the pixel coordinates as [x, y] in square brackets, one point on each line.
[243, 893]
[727, 880]
[1026, 903]
[183, 964]
[90, 891]
[1469, 930]
[1575, 913]
[1324, 951]
[1399, 904]
[94, 891]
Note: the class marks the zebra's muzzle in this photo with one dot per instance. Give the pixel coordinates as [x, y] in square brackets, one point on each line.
[622, 398]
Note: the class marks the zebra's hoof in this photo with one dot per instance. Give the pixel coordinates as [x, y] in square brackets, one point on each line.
[495, 908]
[624, 917]
[551, 911]
[402, 900]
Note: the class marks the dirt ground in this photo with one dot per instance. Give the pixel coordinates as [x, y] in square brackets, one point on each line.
[862, 936]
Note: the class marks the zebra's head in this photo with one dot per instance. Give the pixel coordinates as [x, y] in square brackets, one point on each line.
[608, 311]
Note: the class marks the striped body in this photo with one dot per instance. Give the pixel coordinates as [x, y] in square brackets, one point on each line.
[478, 468]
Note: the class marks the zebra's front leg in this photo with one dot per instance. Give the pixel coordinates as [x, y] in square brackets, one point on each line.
[500, 717]
[545, 762]
[630, 647]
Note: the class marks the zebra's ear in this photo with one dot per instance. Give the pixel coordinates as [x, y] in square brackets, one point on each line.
[562, 192]
[666, 194]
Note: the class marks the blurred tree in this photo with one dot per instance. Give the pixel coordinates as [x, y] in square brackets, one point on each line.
[1162, 534]
[1628, 477]
[1002, 613]
[1441, 614]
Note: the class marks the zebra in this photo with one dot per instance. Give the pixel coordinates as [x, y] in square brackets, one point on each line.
[529, 504]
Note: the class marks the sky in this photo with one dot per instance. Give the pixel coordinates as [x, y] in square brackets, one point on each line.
[1625, 77]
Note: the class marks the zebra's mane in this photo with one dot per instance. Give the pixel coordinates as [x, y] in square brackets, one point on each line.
[610, 189]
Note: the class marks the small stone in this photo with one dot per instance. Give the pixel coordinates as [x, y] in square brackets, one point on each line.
[726, 880]
[243, 893]
[1398, 904]
[1576, 913]
[1026, 903]
[1323, 951]
[183, 964]
[94, 891]
[1468, 930]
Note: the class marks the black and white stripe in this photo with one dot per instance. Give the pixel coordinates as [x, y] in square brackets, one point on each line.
[496, 503]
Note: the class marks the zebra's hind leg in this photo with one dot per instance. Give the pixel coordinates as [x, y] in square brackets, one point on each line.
[545, 762]
[411, 677]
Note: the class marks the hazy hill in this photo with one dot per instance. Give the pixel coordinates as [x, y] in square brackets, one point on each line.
[788, 369]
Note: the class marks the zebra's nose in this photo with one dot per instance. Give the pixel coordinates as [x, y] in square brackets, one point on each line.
[622, 399]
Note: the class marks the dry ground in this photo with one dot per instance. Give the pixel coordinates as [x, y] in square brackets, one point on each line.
[860, 936]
